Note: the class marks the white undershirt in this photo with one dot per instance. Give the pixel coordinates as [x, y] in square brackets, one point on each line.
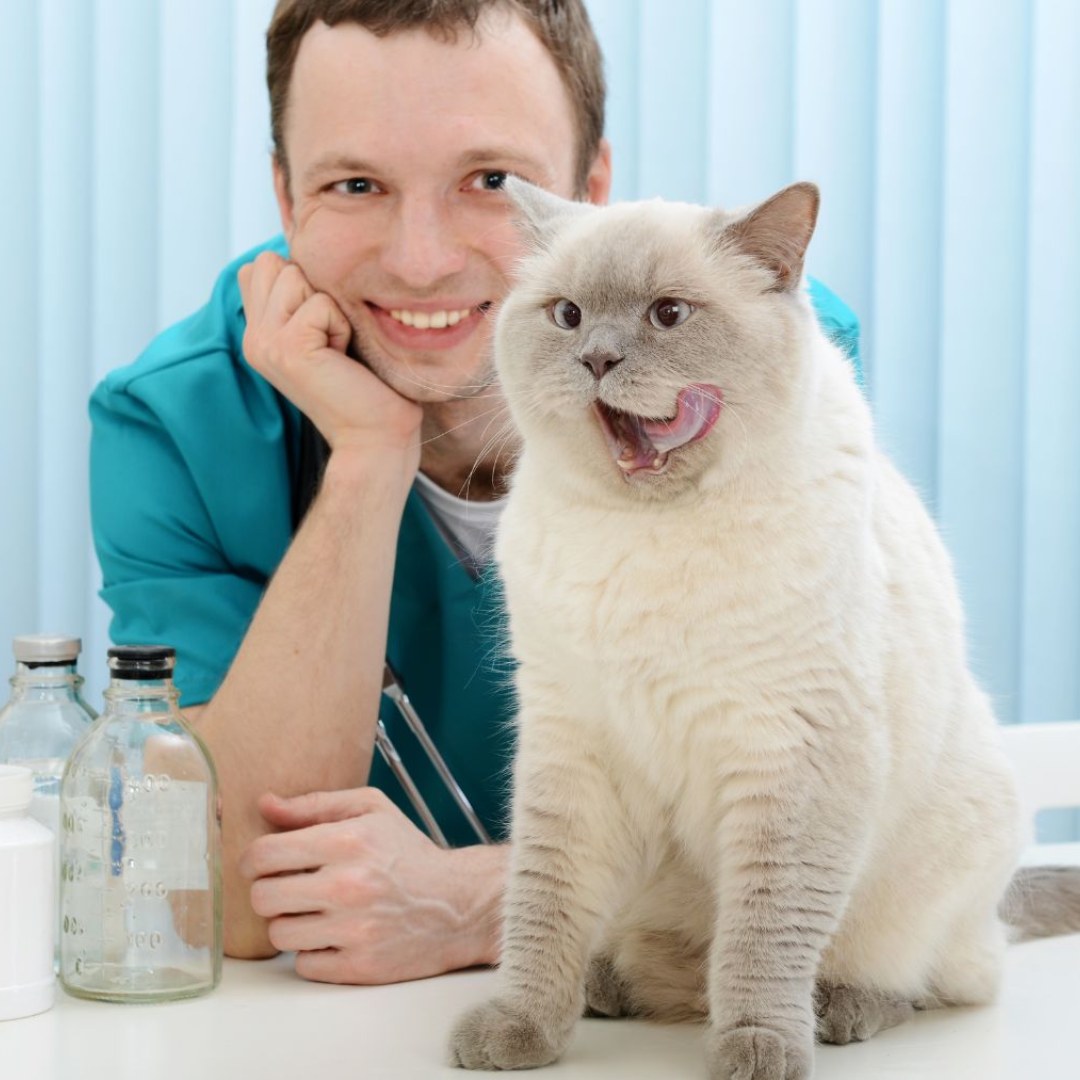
[464, 523]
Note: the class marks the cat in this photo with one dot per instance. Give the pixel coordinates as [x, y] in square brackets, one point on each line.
[755, 779]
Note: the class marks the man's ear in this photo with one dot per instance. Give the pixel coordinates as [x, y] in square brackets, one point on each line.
[284, 198]
[540, 215]
[777, 232]
[598, 182]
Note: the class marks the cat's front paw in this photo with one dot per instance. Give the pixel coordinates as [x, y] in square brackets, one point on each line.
[497, 1035]
[758, 1053]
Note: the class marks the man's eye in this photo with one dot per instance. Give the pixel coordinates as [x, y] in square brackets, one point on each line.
[355, 185]
[491, 181]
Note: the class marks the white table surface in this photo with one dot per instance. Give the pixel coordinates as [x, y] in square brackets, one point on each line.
[266, 1023]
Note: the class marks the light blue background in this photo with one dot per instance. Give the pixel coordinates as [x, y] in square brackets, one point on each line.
[945, 135]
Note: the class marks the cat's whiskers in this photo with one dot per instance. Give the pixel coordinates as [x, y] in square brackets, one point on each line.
[499, 407]
[439, 387]
[497, 442]
[528, 402]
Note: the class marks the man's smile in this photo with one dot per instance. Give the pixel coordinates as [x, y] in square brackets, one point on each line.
[438, 325]
[435, 320]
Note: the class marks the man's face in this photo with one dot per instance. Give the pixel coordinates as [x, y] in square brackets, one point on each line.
[396, 147]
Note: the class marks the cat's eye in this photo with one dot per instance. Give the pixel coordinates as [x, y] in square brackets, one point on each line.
[668, 312]
[566, 314]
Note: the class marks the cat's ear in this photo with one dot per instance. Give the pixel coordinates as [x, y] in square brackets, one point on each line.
[777, 232]
[539, 214]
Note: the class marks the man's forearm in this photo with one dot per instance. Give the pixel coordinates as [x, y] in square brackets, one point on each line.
[296, 712]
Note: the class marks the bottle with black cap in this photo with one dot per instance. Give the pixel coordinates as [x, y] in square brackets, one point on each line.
[140, 845]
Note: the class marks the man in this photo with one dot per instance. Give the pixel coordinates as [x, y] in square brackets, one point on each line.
[394, 124]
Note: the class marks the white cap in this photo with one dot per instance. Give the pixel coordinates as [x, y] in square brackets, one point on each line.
[16, 788]
[46, 648]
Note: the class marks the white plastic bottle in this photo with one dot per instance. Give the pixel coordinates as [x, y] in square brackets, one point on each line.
[27, 900]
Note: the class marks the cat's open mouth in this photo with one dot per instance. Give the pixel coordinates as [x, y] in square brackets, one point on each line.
[642, 444]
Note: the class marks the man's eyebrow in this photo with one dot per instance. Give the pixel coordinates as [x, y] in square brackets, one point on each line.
[503, 155]
[338, 163]
[492, 156]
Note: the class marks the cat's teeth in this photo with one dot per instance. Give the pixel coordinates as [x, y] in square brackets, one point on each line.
[657, 462]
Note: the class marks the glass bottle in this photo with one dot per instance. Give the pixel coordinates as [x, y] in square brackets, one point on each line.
[45, 717]
[140, 845]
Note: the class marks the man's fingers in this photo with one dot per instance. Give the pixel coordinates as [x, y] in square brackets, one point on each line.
[293, 852]
[287, 294]
[311, 839]
[288, 320]
[288, 894]
[293, 933]
[331, 320]
[273, 291]
[256, 279]
[265, 270]
[326, 965]
[320, 807]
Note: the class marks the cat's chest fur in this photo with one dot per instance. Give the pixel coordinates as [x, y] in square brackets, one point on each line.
[659, 620]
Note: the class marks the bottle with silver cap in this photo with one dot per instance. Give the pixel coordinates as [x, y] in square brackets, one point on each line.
[27, 901]
[45, 717]
[140, 845]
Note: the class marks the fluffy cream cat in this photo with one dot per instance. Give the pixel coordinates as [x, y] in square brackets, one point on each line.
[755, 778]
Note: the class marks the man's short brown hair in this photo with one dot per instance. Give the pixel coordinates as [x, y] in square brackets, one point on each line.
[562, 26]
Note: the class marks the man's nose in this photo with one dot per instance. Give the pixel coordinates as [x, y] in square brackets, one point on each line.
[423, 247]
[601, 361]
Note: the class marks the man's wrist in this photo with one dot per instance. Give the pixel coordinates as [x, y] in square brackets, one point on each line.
[352, 469]
[480, 875]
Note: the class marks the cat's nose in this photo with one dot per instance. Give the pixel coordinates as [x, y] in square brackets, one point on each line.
[601, 361]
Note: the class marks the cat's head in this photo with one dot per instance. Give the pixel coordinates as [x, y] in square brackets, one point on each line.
[646, 346]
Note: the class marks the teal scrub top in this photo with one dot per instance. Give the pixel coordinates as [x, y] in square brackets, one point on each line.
[191, 459]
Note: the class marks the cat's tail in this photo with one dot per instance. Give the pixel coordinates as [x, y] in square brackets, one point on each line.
[1042, 901]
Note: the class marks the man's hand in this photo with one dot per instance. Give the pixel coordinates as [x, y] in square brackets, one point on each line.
[297, 339]
[363, 896]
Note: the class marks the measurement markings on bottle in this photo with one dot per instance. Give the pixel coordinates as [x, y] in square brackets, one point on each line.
[154, 838]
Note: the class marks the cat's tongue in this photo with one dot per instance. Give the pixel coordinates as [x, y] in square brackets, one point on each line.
[639, 443]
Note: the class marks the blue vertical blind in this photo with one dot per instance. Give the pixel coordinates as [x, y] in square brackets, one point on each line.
[945, 135]
[135, 140]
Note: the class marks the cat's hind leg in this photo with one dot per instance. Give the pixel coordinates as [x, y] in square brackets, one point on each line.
[655, 974]
[968, 973]
[654, 958]
[848, 1014]
[970, 962]
[608, 994]
[938, 942]
[873, 975]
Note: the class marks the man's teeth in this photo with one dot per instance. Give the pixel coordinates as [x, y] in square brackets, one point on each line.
[430, 320]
